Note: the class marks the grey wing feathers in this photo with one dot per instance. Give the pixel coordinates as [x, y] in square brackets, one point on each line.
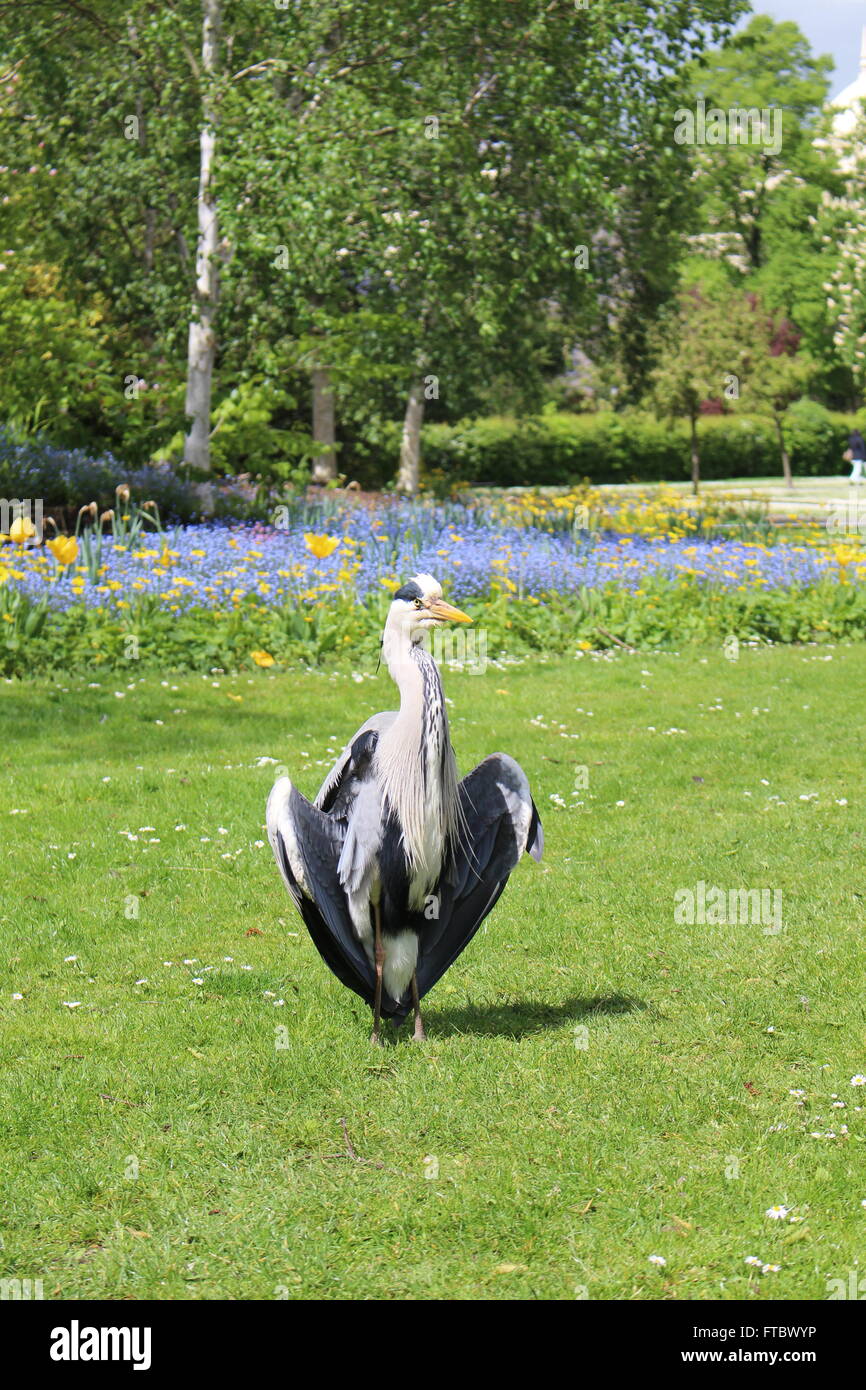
[327, 793]
[307, 845]
[500, 823]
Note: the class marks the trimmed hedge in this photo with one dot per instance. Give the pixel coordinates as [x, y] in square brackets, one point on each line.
[544, 450]
[620, 448]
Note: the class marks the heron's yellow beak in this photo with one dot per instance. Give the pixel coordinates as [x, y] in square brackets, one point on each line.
[445, 613]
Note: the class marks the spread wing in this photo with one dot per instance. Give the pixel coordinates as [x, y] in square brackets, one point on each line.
[307, 846]
[326, 851]
[335, 793]
[500, 822]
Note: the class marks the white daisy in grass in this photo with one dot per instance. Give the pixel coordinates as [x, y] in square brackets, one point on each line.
[858, 1080]
[21, 996]
[198, 980]
[770, 1269]
[777, 1213]
[657, 1260]
[753, 1260]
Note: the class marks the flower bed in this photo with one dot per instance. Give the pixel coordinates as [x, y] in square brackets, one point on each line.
[524, 567]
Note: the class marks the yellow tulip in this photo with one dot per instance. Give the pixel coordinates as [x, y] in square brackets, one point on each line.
[320, 546]
[64, 549]
[4, 574]
[21, 530]
[262, 658]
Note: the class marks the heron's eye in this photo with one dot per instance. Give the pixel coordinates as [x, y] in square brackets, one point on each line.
[418, 603]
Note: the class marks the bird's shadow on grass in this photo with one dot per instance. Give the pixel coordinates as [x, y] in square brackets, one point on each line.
[521, 1019]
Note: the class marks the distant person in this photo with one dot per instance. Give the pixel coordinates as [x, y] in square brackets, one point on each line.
[857, 454]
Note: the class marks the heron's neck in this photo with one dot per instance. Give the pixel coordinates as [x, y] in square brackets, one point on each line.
[422, 701]
[416, 761]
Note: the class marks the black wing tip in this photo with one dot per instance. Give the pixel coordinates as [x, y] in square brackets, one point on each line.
[535, 838]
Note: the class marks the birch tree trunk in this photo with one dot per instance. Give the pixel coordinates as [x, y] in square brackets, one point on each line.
[786, 457]
[409, 474]
[324, 426]
[202, 340]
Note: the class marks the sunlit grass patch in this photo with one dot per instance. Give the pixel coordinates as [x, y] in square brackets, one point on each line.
[602, 1083]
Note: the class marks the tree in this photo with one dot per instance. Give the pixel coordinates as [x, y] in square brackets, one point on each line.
[202, 328]
[771, 373]
[323, 114]
[759, 169]
[693, 363]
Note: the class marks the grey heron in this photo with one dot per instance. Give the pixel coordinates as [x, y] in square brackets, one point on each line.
[396, 863]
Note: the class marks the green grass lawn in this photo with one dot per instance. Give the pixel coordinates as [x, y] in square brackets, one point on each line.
[600, 1084]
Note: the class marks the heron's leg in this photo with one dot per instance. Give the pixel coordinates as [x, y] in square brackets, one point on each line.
[419, 1035]
[380, 962]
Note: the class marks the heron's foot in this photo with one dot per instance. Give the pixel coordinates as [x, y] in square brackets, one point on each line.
[375, 1039]
[419, 1035]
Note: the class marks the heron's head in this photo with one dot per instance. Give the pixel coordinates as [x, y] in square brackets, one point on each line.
[419, 606]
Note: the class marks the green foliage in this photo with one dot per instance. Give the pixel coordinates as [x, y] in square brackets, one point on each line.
[247, 438]
[816, 438]
[619, 448]
[661, 615]
[748, 188]
[353, 234]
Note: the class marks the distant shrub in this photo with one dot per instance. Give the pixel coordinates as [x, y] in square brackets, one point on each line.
[33, 469]
[562, 448]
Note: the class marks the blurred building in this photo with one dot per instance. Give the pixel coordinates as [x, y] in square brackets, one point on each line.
[846, 108]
